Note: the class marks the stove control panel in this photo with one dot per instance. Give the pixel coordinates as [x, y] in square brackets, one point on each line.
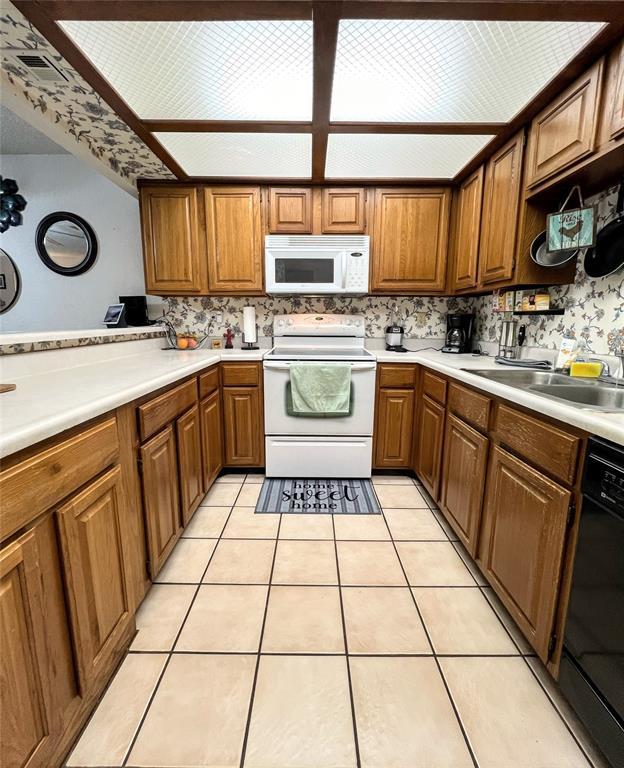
[319, 325]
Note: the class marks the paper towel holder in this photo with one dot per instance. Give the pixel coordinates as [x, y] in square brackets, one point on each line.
[250, 345]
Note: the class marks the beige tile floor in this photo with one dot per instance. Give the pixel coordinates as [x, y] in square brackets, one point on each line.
[312, 641]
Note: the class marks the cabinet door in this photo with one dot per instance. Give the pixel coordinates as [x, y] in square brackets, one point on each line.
[159, 471]
[522, 543]
[290, 210]
[394, 430]
[499, 222]
[467, 231]
[90, 527]
[463, 478]
[174, 240]
[410, 240]
[617, 112]
[429, 444]
[190, 469]
[39, 694]
[343, 210]
[242, 417]
[234, 225]
[212, 437]
[565, 131]
[26, 730]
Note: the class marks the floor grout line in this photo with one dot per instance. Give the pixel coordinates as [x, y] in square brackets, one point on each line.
[171, 652]
[346, 645]
[434, 655]
[259, 654]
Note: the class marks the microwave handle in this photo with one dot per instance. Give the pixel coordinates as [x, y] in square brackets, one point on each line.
[344, 269]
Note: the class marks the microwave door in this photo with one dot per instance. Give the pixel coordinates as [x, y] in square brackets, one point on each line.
[305, 271]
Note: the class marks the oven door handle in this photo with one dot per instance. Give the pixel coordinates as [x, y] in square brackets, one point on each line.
[284, 366]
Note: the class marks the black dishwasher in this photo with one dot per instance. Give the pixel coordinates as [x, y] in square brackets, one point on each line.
[592, 665]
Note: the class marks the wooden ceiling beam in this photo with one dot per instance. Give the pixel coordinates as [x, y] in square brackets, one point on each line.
[486, 10]
[227, 126]
[467, 129]
[33, 11]
[598, 46]
[178, 10]
[326, 18]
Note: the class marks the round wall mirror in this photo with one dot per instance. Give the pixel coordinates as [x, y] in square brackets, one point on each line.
[66, 243]
[10, 283]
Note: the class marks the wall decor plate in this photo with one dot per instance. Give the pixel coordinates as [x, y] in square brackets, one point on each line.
[571, 230]
[10, 282]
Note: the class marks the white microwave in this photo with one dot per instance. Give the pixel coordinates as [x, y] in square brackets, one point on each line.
[316, 264]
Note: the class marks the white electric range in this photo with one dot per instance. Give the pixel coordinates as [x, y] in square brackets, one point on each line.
[319, 447]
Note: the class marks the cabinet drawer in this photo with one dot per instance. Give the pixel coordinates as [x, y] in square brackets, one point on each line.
[543, 444]
[163, 409]
[397, 375]
[434, 387]
[240, 374]
[208, 382]
[472, 407]
[37, 483]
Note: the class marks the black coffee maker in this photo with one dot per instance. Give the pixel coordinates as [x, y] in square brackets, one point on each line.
[458, 333]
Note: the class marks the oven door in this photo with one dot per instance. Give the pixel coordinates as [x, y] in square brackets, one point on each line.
[278, 422]
[305, 270]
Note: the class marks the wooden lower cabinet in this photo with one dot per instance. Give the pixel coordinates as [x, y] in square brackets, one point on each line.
[463, 479]
[212, 437]
[159, 472]
[394, 428]
[190, 468]
[429, 439]
[90, 526]
[522, 544]
[243, 426]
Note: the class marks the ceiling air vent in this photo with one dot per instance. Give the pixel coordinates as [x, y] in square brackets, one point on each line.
[39, 65]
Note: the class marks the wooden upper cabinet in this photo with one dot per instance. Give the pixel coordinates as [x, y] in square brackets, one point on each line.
[234, 234]
[566, 130]
[174, 240]
[290, 211]
[499, 221]
[463, 479]
[90, 527]
[159, 470]
[343, 210]
[467, 232]
[394, 428]
[522, 543]
[190, 469]
[410, 240]
[617, 108]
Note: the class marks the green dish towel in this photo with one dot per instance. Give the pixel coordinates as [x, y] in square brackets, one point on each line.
[320, 389]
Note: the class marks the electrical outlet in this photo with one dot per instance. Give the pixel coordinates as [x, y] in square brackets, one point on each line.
[217, 317]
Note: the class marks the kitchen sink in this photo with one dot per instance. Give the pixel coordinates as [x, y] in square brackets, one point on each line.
[592, 394]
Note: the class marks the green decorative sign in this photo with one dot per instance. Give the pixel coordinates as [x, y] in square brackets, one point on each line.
[569, 230]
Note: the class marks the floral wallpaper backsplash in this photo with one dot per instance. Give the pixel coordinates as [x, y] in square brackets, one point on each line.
[423, 317]
[594, 309]
[74, 105]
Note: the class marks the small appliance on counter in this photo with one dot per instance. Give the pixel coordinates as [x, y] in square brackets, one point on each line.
[459, 328]
[135, 310]
[395, 333]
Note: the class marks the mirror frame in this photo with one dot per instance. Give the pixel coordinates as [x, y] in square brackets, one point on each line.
[18, 280]
[92, 246]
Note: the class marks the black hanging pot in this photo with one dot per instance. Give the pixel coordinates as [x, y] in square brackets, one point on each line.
[607, 256]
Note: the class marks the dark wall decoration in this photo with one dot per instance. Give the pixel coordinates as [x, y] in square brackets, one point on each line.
[11, 204]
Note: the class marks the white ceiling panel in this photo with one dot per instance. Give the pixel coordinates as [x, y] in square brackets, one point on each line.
[274, 155]
[218, 70]
[382, 156]
[447, 71]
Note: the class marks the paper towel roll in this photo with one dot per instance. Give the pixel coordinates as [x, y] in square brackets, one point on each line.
[249, 325]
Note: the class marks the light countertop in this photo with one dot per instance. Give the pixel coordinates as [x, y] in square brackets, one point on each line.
[59, 389]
